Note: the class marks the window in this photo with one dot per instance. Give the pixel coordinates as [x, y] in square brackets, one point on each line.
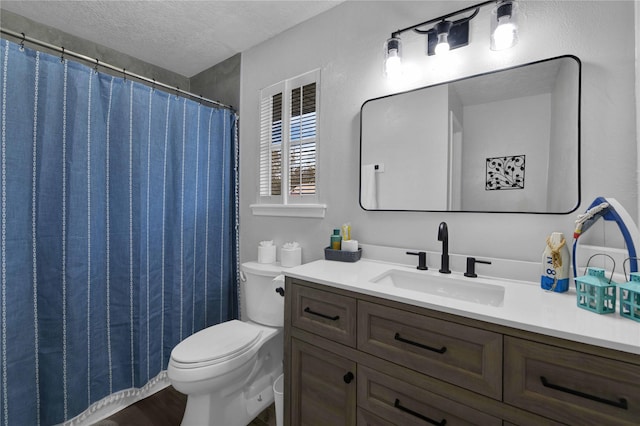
[288, 148]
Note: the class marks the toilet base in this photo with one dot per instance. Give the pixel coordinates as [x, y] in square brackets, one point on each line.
[237, 409]
[238, 404]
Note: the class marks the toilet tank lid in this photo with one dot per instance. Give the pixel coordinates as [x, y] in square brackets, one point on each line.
[217, 343]
[265, 269]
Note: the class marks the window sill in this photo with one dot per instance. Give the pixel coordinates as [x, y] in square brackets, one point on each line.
[289, 210]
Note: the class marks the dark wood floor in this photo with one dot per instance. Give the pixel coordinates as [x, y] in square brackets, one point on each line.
[165, 408]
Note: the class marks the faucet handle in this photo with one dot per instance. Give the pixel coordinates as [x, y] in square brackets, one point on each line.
[422, 259]
[471, 266]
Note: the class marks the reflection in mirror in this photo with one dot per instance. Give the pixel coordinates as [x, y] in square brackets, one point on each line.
[505, 141]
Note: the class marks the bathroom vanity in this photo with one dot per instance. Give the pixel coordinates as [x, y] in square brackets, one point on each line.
[359, 350]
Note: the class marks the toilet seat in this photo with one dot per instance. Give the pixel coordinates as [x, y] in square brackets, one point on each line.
[217, 344]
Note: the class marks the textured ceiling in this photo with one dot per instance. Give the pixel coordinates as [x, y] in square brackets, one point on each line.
[185, 37]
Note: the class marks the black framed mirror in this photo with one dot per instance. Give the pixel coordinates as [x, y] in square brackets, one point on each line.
[505, 141]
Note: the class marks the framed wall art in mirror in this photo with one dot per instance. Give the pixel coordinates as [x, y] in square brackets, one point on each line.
[428, 149]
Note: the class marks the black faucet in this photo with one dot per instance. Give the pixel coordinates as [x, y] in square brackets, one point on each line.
[471, 266]
[443, 235]
[422, 259]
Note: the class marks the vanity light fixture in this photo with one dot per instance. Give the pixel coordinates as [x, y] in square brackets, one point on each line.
[442, 33]
[504, 25]
[448, 34]
[393, 57]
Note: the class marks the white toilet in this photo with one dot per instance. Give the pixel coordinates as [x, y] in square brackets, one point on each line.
[227, 370]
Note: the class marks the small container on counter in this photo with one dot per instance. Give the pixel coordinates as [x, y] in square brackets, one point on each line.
[342, 255]
[266, 252]
[290, 255]
[349, 245]
[336, 240]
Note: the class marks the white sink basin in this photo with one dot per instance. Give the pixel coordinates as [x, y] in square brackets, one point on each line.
[452, 286]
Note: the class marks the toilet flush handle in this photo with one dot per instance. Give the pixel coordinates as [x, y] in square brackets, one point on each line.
[279, 280]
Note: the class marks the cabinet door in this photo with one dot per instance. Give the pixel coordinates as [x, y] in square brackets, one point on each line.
[323, 387]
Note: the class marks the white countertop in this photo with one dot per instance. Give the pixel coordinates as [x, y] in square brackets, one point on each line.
[526, 306]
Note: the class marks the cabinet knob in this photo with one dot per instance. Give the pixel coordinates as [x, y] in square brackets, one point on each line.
[348, 377]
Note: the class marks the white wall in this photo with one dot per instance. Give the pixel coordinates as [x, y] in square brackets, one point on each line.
[637, 22]
[410, 137]
[346, 43]
[524, 129]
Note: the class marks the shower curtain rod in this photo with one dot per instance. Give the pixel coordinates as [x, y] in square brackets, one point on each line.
[97, 62]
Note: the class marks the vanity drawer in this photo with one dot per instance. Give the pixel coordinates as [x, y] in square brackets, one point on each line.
[465, 356]
[406, 404]
[569, 386]
[326, 314]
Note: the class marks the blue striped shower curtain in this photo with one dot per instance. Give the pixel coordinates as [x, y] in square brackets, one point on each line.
[118, 233]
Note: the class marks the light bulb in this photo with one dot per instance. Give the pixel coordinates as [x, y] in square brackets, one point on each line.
[442, 31]
[505, 34]
[504, 31]
[393, 58]
[443, 44]
[393, 66]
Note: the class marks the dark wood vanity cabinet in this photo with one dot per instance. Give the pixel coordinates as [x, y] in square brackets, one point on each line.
[353, 359]
[323, 386]
[403, 403]
[466, 356]
[570, 386]
[324, 313]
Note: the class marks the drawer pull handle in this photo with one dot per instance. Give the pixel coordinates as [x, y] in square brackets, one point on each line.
[418, 415]
[309, 311]
[621, 403]
[420, 345]
[348, 377]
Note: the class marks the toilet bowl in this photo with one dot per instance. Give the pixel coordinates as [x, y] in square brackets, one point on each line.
[227, 370]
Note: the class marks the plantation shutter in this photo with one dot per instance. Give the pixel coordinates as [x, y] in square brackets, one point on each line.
[271, 145]
[288, 168]
[302, 141]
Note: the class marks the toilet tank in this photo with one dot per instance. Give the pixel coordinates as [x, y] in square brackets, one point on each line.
[264, 305]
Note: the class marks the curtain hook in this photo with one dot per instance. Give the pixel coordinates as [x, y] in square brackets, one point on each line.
[177, 92]
[95, 69]
[153, 85]
[124, 75]
[62, 55]
[22, 42]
